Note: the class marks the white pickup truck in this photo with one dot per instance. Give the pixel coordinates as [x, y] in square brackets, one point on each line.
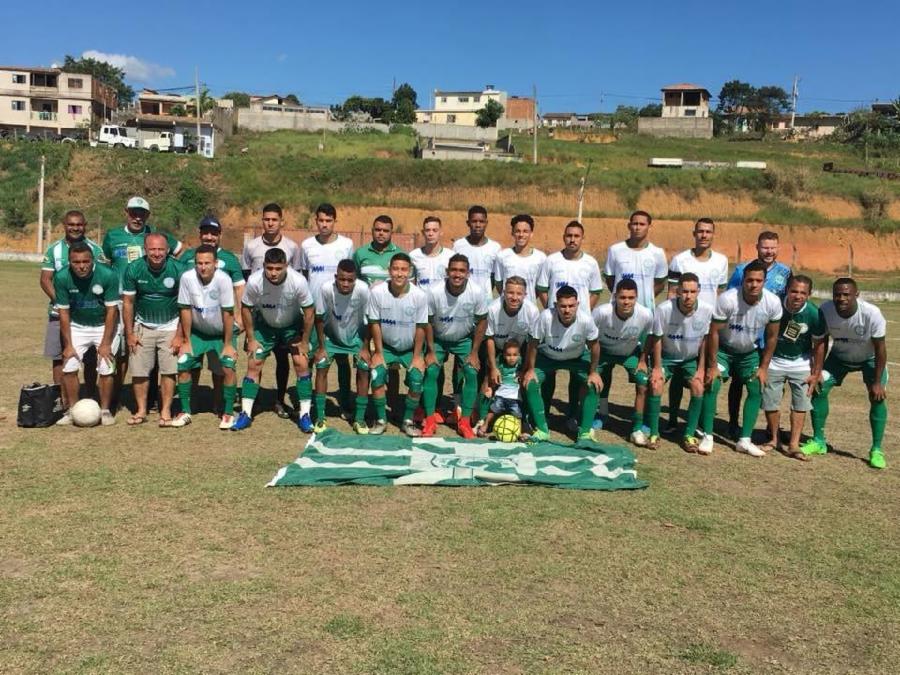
[164, 142]
[115, 137]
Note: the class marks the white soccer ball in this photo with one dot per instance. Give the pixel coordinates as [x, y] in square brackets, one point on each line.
[85, 413]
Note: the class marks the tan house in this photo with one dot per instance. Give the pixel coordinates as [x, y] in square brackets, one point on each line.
[685, 100]
[50, 100]
[807, 126]
[460, 107]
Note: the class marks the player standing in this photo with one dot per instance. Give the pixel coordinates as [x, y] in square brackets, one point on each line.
[636, 258]
[480, 251]
[521, 259]
[374, 259]
[430, 260]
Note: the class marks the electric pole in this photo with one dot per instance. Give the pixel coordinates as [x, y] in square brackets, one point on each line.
[794, 94]
[197, 87]
[40, 231]
[534, 129]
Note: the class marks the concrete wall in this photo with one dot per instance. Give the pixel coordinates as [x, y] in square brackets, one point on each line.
[456, 132]
[676, 127]
[263, 120]
[459, 153]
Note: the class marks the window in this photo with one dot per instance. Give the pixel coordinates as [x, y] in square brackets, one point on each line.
[74, 109]
[443, 99]
[18, 78]
[476, 99]
[18, 105]
[451, 119]
[690, 112]
[463, 99]
[76, 83]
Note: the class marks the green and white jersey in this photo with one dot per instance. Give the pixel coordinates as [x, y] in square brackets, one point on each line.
[644, 265]
[481, 262]
[582, 274]
[57, 258]
[617, 336]
[373, 264]
[87, 299]
[682, 334]
[206, 301]
[712, 273]
[320, 261]
[278, 305]
[398, 315]
[852, 337]
[453, 317]
[509, 379]
[502, 326]
[155, 292]
[121, 246]
[343, 316]
[795, 336]
[226, 261]
[431, 270]
[742, 322]
[510, 264]
[254, 254]
[561, 343]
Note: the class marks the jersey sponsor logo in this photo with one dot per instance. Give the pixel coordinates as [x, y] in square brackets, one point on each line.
[674, 336]
[318, 268]
[627, 275]
[736, 327]
[337, 317]
[424, 282]
[615, 337]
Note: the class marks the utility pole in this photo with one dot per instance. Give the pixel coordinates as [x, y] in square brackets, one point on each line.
[794, 94]
[197, 89]
[581, 190]
[534, 129]
[40, 231]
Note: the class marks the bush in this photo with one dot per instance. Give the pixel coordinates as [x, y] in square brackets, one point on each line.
[875, 203]
[788, 183]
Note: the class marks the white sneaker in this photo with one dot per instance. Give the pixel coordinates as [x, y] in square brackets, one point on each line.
[65, 421]
[639, 438]
[181, 420]
[227, 422]
[746, 445]
[706, 444]
[107, 418]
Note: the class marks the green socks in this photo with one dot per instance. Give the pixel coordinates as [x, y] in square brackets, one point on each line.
[878, 420]
[380, 407]
[536, 404]
[430, 389]
[654, 403]
[320, 407]
[230, 392]
[362, 403]
[695, 407]
[409, 408]
[751, 407]
[184, 393]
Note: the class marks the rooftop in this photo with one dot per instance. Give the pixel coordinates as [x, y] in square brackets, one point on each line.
[685, 86]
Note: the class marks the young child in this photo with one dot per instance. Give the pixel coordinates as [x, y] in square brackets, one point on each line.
[505, 398]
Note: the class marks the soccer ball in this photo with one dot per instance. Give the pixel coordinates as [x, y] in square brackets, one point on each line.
[507, 428]
[85, 413]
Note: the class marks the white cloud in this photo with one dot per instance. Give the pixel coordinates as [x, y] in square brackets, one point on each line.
[135, 68]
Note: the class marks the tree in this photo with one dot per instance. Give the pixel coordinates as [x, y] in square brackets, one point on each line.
[404, 104]
[651, 110]
[625, 116]
[766, 104]
[207, 103]
[377, 107]
[292, 99]
[105, 72]
[489, 114]
[734, 99]
[240, 99]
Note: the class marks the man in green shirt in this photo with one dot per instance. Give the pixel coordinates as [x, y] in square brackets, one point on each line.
[373, 260]
[87, 298]
[124, 245]
[150, 309]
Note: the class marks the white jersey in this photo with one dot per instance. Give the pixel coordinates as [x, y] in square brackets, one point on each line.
[560, 343]
[681, 334]
[280, 305]
[852, 337]
[481, 262]
[430, 269]
[206, 300]
[398, 317]
[743, 322]
[254, 253]
[453, 317]
[510, 264]
[713, 273]
[617, 336]
[644, 265]
[502, 327]
[343, 315]
[582, 274]
[320, 261]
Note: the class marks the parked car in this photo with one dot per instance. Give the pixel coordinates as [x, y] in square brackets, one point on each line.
[162, 143]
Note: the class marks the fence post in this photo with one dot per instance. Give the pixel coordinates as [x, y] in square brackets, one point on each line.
[738, 259]
[794, 256]
[850, 262]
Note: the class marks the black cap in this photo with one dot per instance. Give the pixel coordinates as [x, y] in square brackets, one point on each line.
[211, 223]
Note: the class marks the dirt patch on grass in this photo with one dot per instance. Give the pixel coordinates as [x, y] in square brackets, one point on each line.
[833, 208]
[531, 198]
[673, 204]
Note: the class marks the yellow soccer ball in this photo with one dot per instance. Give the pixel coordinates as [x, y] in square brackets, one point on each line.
[507, 428]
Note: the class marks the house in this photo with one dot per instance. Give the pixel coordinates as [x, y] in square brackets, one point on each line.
[559, 119]
[685, 113]
[890, 109]
[274, 103]
[460, 107]
[519, 113]
[51, 101]
[807, 126]
[685, 100]
[151, 102]
[273, 111]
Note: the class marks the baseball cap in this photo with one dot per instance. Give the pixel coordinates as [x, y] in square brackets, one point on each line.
[211, 223]
[138, 203]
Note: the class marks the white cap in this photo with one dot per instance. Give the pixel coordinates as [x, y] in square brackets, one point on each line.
[138, 203]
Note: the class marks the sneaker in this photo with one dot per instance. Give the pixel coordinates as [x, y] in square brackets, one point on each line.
[429, 426]
[241, 422]
[226, 422]
[814, 447]
[652, 442]
[410, 429]
[360, 428]
[690, 444]
[747, 446]
[304, 423]
[585, 436]
[639, 438]
[706, 445]
[283, 410]
[464, 428]
[319, 426]
[876, 459]
[107, 418]
[182, 419]
[537, 436]
[65, 421]
[378, 428]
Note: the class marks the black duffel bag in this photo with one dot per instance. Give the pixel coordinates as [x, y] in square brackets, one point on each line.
[40, 405]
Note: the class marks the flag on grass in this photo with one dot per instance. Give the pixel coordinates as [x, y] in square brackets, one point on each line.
[333, 458]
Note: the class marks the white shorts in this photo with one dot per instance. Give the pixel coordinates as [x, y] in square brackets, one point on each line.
[85, 337]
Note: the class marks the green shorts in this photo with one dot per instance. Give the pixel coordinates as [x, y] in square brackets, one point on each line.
[629, 362]
[333, 349]
[442, 350]
[742, 367]
[270, 338]
[391, 358]
[685, 369]
[211, 345]
[578, 368]
[837, 370]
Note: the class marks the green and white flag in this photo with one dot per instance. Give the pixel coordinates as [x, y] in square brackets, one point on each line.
[333, 458]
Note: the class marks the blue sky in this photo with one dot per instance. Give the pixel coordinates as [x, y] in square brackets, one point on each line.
[583, 56]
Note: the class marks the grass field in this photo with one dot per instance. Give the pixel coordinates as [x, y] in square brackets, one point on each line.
[147, 550]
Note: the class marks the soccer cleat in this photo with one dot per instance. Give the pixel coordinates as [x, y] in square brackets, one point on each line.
[429, 426]
[378, 428]
[814, 447]
[539, 435]
[464, 428]
[584, 436]
[304, 423]
[241, 422]
[639, 438]
[181, 420]
[360, 428]
[706, 444]
[690, 444]
[107, 418]
[652, 442]
[876, 459]
[439, 417]
[226, 422]
[320, 426]
[65, 421]
[747, 446]
[410, 429]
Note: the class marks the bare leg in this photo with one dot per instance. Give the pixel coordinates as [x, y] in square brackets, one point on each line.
[797, 420]
[106, 391]
[57, 371]
[167, 393]
[140, 386]
[69, 387]
[773, 422]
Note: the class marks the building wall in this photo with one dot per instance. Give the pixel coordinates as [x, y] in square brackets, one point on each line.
[70, 105]
[451, 102]
[672, 105]
[264, 120]
[519, 108]
[676, 127]
[456, 132]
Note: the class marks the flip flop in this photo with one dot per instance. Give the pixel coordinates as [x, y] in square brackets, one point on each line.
[794, 454]
[136, 420]
[164, 423]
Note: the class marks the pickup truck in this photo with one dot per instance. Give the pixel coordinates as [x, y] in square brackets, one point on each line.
[162, 143]
[115, 137]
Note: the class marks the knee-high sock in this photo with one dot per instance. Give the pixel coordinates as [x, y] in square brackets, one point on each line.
[409, 407]
[483, 404]
[184, 393]
[304, 393]
[380, 407]
[878, 420]
[229, 391]
[654, 403]
[588, 408]
[430, 388]
[320, 407]
[751, 408]
[708, 410]
[819, 413]
[695, 407]
[362, 403]
[249, 390]
[469, 389]
[536, 404]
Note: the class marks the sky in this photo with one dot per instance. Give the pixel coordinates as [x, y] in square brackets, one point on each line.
[582, 56]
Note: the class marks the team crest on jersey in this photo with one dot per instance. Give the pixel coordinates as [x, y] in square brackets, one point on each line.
[96, 289]
[648, 265]
[409, 311]
[169, 282]
[698, 324]
[859, 330]
[214, 295]
[577, 337]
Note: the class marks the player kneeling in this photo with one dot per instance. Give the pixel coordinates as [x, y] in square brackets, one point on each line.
[87, 298]
[206, 305]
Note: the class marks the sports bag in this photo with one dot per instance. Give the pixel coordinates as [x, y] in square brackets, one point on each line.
[40, 405]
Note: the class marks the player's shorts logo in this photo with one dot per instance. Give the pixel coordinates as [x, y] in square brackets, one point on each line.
[169, 282]
[96, 289]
